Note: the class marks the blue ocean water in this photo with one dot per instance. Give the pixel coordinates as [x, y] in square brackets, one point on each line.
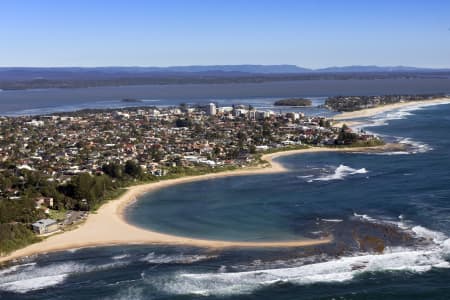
[408, 189]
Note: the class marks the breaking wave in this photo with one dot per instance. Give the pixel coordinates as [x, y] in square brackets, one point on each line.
[120, 256]
[340, 173]
[364, 217]
[340, 270]
[395, 259]
[417, 147]
[175, 258]
[244, 279]
[397, 114]
[30, 277]
[332, 220]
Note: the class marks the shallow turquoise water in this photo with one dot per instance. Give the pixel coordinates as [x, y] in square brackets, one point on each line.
[319, 185]
[408, 189]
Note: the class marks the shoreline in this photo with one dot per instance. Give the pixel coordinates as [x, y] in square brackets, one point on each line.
[370, 112]
[109, 227]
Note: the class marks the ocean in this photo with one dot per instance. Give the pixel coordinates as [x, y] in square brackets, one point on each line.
[343, 193]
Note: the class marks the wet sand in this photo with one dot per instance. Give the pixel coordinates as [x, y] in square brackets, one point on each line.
[108, 225]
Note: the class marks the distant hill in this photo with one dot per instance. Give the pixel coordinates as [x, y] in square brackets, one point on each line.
[363, 69]
[18, 78]
[26, 73]
[259, 69]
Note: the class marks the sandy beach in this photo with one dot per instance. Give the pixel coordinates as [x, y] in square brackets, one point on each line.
[108, 225]
[369, 112]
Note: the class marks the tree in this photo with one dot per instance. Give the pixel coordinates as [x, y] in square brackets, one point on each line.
[345, 136]
[113, 170]
[15, 236]
[183, 123]
[133, 169]
[157, 155]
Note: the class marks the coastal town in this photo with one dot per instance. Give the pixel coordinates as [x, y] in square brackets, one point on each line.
[355, 103]
[55, 166]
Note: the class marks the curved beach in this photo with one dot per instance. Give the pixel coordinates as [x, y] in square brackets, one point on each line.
[369, 112]
[108, 225]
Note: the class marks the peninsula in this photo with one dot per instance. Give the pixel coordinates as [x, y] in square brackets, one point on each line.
[58, 168]
[368, 112]
[356, 103]
[108, 225]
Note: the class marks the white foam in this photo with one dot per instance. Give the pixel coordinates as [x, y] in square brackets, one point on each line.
[73, 250]
[340, 173]
[342, 269]
[446, 247]
[399, 114]
[309, 270]
[121, 256]
[332, 220]
[391, 153]
[417, 147]
[396, 114]
[21, 279]
[435, 236]
[364, 217]
[175, 258]
[15, 268]
[25, 280]
[31, 284]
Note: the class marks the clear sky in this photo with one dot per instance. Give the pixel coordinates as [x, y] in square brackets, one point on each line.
[314, 33]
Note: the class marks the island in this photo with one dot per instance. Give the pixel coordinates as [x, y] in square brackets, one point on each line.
[293, 102]
[131, 100]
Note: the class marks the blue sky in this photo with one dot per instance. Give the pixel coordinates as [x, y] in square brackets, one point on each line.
[315, 33]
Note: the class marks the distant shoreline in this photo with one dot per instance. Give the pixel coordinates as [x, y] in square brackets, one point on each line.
[20, 103]
[370, 112]
[108, 225]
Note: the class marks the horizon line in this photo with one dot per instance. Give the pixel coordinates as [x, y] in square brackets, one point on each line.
[221, 65]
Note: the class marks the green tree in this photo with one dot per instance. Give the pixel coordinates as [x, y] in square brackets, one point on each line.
[133, 169]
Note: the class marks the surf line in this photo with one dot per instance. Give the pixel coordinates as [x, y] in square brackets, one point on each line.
[109, 226]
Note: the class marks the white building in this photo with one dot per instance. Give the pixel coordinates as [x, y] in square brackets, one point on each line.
[224, 109]
[261, 115]
[44, 226]
[211, 109]
[35, 123]
[240, 112]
